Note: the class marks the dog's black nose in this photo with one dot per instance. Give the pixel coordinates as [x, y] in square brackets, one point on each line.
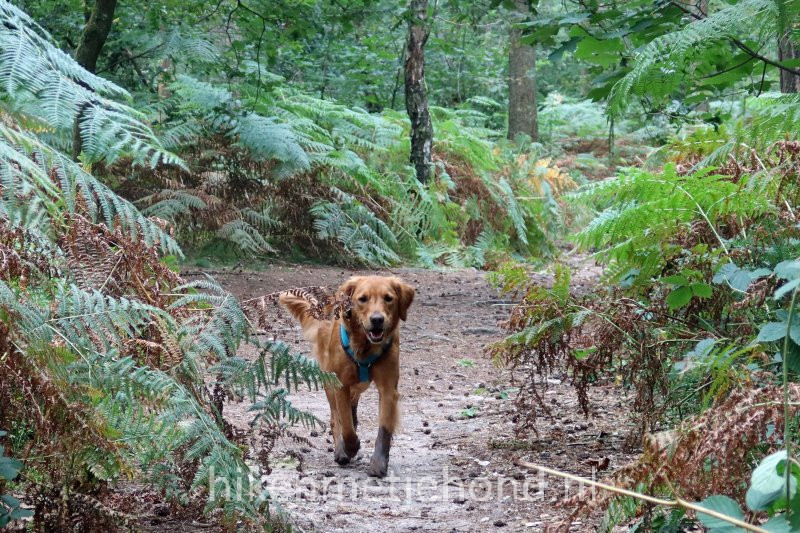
[376, 320]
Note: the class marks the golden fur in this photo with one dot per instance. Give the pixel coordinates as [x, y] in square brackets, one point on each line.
[375, 300]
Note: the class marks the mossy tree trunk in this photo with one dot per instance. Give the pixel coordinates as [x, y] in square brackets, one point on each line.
[95, 34]
[416, 93]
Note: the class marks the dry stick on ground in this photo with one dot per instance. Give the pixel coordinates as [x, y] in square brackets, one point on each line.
[651, 499]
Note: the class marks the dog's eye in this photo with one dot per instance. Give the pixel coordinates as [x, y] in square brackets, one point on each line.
[387, 298]
[363, 299]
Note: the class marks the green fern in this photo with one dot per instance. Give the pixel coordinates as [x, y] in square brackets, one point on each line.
[27, 168]
[356, 228]
[769, 118]
[648, 210]
[41, 81]
[78, 349]
[658, 65]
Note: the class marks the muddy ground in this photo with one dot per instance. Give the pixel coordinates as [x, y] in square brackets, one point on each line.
[452, 464]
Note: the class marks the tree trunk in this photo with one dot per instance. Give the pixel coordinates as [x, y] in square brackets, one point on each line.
[416, 95]
[95, 34]
[522, 82]
[787, 51]
[92, 40]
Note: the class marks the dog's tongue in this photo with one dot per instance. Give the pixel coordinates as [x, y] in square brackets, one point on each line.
[375, 336]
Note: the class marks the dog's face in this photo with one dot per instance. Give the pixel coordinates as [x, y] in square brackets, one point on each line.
[378, 304]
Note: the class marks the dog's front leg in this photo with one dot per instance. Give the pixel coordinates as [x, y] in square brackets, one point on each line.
[379, 464]
[347, 445]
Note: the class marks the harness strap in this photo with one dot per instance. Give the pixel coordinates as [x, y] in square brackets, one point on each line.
[363, 366]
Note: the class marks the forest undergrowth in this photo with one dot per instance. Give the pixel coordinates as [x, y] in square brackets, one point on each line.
[661, 147]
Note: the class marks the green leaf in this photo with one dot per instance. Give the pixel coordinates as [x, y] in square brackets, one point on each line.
[730, 274]
[778, 524]
[675, 280]
[679, 297]
[723, 505]
[600, 52]
[9, 467]
[760, 273]
[569, 46]
[701, 290]
[786, 288]
[20, 513]
[788, 269]
[9, 500]
[766, 485]
[771, 331]
[583, 353]
[702, 348]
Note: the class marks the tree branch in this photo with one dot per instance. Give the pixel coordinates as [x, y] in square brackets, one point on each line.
[130, 57]
[739, 44]
[746, 49]
[644, 497]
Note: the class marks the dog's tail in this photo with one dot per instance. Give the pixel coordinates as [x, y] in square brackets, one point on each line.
[301, 304]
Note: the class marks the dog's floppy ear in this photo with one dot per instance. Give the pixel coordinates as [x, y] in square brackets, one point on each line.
[347, 289]
[350, 285]
[405, 295]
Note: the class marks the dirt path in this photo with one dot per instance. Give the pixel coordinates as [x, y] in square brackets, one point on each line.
[451, 465]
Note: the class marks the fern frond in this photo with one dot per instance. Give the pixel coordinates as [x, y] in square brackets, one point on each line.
[650, 209]
[356, 228]
[657, 66]
[28, 167]
[38, 79]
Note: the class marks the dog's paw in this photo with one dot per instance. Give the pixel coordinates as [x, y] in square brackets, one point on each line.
[351, 446]
[340, 457]
[346, 449]
[377, 467]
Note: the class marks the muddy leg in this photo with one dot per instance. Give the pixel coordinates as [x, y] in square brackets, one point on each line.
[379, 464]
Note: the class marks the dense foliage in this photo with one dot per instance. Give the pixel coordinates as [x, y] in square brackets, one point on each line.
[105, 349]
[696, 310]
[666, 147]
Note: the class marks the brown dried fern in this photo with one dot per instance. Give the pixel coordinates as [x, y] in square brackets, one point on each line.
[324, 304]
[713, 453]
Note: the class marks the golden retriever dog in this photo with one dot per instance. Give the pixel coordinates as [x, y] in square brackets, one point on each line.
[360, 347]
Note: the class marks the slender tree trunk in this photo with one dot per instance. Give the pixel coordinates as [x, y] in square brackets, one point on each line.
[416, 95]
[787, 51]
[522, 82]
[94, 36]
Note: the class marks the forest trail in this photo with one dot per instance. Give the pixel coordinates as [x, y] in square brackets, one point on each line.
[452, 461]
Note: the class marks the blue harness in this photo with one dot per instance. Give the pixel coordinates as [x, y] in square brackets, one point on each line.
[363, 366]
